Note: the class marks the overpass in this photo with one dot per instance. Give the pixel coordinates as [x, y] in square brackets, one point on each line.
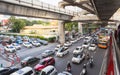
[37, 9]
[104, 9]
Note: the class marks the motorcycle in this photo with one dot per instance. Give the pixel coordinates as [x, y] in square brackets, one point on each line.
[87, 56]
[68, 69]
[84, 71]
[91, 63]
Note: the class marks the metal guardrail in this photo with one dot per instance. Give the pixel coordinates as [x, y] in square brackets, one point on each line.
[40, 5]
[116, 56]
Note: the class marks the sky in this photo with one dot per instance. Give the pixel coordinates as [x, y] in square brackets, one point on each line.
[55, 2]
[52, 2]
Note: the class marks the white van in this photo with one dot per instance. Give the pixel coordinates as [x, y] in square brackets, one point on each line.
[24, 71]
[49, 70]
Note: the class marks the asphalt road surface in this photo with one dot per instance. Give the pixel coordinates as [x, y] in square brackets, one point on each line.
[61, 63]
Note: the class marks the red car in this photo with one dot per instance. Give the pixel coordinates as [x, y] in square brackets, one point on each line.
[44, 62]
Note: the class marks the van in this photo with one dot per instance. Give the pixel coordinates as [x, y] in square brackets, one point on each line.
[49, 70]
[24, 71]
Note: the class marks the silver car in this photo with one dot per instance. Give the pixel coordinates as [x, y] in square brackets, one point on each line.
[47, 53]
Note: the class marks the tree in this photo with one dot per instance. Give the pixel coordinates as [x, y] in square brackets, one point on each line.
[71, 26]
[18, 25]
[28, 23]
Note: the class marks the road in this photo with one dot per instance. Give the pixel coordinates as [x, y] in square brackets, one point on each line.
[60, 64]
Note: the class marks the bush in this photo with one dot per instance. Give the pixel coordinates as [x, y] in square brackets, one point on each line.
[51, 39]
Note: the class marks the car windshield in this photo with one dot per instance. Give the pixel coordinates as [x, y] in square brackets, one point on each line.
[77, 48]
[76, 55]
[47, 51]
[15, 44]
[103, 44]
[27, 43]
[43, 73]
[27, 58]
[85, 43]
[35, 41]
[10, 47]
[42, 62]
[86, 38]
[92, 45]
[62, 50]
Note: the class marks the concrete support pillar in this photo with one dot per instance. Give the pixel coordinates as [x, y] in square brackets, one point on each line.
[61, 30]
[80, 28]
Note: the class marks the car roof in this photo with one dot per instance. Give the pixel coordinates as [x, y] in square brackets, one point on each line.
[3, 69]
[27, 58]
[79, 47]
[93, 44]
[64, 73]
[22, 71]
[47, 58]
[47, 50]
[46, 69]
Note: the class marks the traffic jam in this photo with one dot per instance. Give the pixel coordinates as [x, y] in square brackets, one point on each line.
[45, 62]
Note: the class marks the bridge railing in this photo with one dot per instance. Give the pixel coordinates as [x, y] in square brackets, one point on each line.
[116, 56]
[41, 5]
[112, 54]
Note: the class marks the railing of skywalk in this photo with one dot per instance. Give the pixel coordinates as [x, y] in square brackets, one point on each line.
[116, 57]
[41, 5]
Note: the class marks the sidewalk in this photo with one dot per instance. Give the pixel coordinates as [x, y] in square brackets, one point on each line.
[4, 63]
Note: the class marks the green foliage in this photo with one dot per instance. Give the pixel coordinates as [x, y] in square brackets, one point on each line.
[18, 24]
[40, 22]
[51, 39]
[71, 25]
[32, 32]
[42, 38]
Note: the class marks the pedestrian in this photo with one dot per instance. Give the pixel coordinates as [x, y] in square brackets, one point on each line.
[1, 65]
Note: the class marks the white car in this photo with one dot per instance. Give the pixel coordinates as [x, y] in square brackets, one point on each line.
[27, 44]
[24, 71]
[64, 73]
[92, 47]
[73, 41]
[87, 39]
[78, 58]
[78, 50]
[67, 44]
[85, 45]
[10, 48]
[61, 52]
[17, 46]
[59, 46]
[47, 53]
[49, 70]
[35, 43]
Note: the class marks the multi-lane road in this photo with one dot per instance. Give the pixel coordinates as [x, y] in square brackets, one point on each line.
[61, 63]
